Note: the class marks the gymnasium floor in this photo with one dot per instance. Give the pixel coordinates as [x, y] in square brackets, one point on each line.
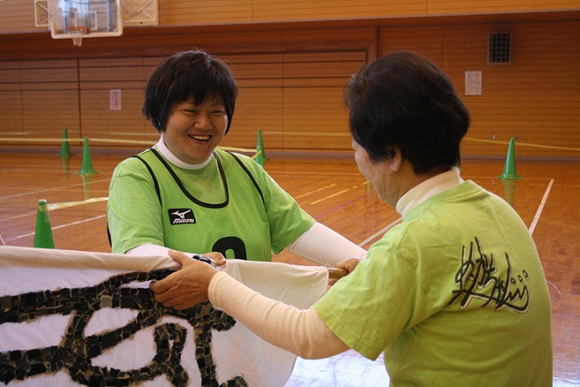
[547, 199]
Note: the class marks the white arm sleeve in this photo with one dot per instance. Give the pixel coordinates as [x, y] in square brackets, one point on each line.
[301, 332]
[325, 246]
[147, 249]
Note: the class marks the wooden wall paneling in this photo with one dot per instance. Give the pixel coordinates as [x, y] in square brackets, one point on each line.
[98, 77]
[179, 12]
[496, 6]
[10, 76]
[10, 48]
[98, 121]
[523, 98]
[11, 101]
[315, 82]
[128, 45]
[47, 112]
[260, 100]
[427, 41]
[47, 74]
[42, 46]
[316, 71]
[465, 49]
[257, 108]
[149, 66]
[255, 71]
[315, 119]
[272, 10]
[251, 58]
[218, 43]
[49, 64]
[325, 56]
[321, 70]
[324, 39]
[17, 16]
[11, 125]
[49, 100]
[535, 95]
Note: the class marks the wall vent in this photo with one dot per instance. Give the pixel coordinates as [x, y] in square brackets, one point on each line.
[499, 48]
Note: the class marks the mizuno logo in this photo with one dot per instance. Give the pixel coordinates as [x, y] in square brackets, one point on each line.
[181, 216]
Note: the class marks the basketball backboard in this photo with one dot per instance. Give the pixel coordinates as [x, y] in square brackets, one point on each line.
[78, 19]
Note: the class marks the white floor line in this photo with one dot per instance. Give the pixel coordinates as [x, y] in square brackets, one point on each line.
[380, 232]
[18, 217]
[49, 189]
[540, 208]
[61, 226]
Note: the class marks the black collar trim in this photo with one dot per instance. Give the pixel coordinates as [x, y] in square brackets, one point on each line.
[187, 193]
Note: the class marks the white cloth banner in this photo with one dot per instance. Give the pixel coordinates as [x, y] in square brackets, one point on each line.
[81, 318]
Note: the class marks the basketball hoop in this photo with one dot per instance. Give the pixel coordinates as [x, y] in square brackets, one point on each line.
[79, 19]
[78, 33]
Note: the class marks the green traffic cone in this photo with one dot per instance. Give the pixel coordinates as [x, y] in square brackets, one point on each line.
[260, 155]
[509, 171]
[65, 147]
[43, 233]
[87, 167]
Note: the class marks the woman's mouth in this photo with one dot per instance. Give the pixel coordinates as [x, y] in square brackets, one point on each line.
[199, 137]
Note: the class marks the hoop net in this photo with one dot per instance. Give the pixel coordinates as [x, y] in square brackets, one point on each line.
[78, 33]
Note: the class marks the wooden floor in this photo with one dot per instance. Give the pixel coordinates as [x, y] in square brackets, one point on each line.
[547, 199]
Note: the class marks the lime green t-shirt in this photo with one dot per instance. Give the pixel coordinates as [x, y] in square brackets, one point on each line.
[231, 205]
[454, 296]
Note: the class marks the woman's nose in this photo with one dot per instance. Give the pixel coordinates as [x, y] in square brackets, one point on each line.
[203, 121]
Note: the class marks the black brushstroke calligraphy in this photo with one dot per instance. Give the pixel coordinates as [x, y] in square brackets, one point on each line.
[75, 351]
[478, 278]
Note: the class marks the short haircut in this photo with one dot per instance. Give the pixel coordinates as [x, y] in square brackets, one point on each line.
[186, 75]
[404, 100]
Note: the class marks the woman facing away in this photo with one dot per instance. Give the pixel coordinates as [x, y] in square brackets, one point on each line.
[454, 295]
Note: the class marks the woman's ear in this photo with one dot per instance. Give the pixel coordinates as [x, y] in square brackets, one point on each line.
[396, 159]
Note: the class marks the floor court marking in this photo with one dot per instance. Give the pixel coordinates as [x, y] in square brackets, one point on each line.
[331, 196]
[540, 208]
[50, 189]
[19, 216]
[339, 193]
[537, 218]
[316, 190]
[58, 206]
[61, 226]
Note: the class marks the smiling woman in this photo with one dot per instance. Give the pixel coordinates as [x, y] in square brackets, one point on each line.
[184, 194]
[194, 131]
